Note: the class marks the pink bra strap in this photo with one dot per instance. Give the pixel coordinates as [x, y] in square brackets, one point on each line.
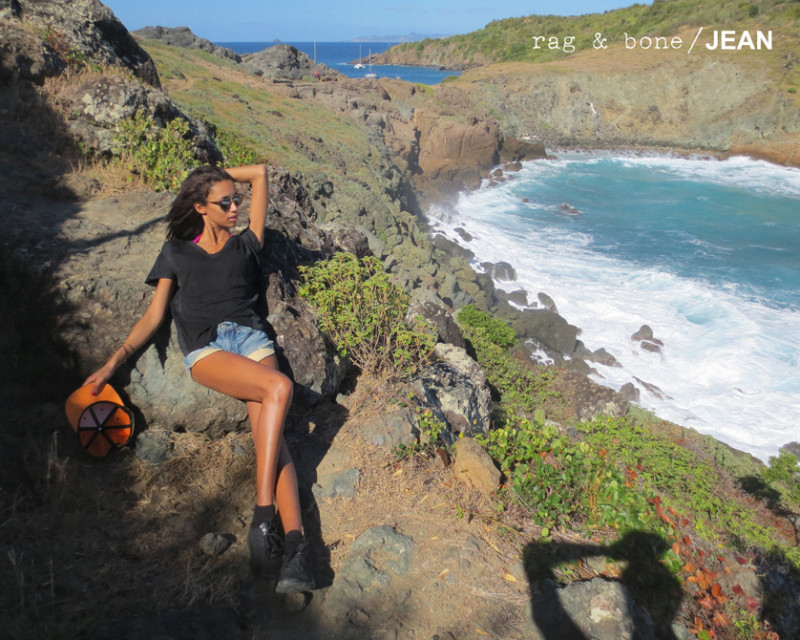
[197, 239]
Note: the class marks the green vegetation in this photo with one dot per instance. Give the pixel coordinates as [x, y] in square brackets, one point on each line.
[495, 331]
[593, 483]
[431, 429]
[521, 386]
[512, 39]
[567, 484]
[783, 477]
[632, 481]
[363, 314]
[161, 156]
[690, 482]
[235, 152]
[289, 133]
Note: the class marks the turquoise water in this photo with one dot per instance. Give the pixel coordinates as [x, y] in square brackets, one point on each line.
[738, 228]
[339, 55]
[704, 251]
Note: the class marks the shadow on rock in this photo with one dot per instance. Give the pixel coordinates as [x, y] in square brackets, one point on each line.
[639, 603]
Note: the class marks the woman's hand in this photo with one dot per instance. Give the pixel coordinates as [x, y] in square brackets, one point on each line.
[258, 177]
[99, 378]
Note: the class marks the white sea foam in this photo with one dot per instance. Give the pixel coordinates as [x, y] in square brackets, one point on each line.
[729, 366]
[737, 171]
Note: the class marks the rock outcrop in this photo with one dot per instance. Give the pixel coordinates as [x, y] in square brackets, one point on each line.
[40, 39]
[183, 37]
[101, 103]
[708, 104]
[283, 61]
[109, 296]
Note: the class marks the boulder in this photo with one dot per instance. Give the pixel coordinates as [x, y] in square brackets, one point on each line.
[436, 313]
[105, 253]
[547, 302]
[513, 150]
[24, 55]
[474, 467]
[391, 430]
[547, 328]
[347, 238]
[501, 271]
[341, 485]
[373, 573]
[518, 297]
[458, 358]
[601, 356]
[69, 35]
[793, 448]
[644, 336]
[335, 475]
[597, 608]
[450, 249]
[215, 544]
[284, 61]
[589, 399]
[101, 102]
[453, 153]
[630, 392]
[457, 399]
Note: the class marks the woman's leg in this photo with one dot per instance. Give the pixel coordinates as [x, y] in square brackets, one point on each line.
[268, 394]
[286, 492]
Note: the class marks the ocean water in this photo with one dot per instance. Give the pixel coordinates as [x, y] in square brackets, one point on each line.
[705, 251]
[340, 55]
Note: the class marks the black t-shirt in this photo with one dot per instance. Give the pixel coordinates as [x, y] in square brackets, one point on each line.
[211, 287]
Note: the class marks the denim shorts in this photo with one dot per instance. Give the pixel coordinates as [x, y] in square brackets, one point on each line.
[234, 338]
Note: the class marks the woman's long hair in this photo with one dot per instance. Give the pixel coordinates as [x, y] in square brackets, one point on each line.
[183, 221]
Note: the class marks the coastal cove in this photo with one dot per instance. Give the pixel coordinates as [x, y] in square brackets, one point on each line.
[340, 56]
[701, 250]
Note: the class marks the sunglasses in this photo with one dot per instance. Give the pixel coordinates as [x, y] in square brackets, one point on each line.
[225, 203]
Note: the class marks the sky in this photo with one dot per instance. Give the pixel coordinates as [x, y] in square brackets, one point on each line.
[307, 20]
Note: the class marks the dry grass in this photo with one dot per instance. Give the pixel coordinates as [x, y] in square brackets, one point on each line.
[121, 534]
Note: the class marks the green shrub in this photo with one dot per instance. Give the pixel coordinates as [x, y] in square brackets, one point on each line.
[363, 314]
[236, 152]
[161, 156]
[784, 474]
[522, 386]
[687, 481]
[566, 484]
[496, 331]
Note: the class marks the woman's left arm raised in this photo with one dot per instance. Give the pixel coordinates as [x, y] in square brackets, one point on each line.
[257, 176]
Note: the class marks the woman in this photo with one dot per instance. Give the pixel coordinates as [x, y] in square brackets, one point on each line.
[210, 280]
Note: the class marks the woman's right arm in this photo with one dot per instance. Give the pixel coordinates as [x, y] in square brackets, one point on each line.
[142, 331]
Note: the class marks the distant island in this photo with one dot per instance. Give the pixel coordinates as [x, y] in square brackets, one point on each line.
[410, 37]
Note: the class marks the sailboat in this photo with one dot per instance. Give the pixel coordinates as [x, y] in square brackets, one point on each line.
[370, 74]
[358, 65]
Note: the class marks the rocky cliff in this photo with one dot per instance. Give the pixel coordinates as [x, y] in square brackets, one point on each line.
[705, 103]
